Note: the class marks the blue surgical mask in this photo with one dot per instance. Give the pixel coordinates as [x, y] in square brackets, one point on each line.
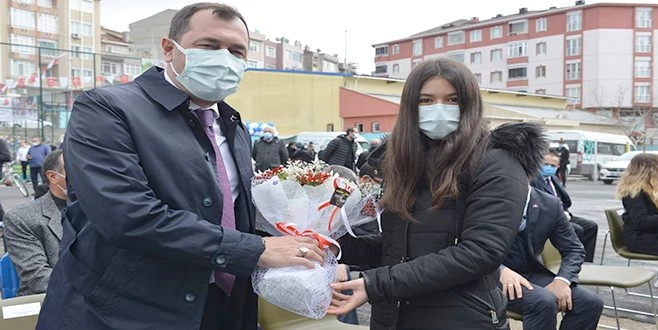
[547, 171]
[268, 136]
[438, 120]
[210, 75]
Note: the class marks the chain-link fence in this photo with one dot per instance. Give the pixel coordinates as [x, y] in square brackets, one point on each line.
[38, 84]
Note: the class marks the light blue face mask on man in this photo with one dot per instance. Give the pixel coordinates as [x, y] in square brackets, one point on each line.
[210, 75]
[438, 120]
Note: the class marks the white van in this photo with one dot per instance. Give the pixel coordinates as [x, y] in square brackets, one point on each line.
[321, 139]
[588, 151]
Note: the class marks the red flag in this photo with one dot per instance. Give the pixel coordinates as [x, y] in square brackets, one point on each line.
[55, 61]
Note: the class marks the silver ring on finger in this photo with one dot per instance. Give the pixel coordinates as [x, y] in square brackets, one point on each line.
[511, 284]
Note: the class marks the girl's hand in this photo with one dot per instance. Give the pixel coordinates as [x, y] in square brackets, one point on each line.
[342, 304]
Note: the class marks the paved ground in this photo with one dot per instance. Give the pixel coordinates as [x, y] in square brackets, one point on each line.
[589, 200]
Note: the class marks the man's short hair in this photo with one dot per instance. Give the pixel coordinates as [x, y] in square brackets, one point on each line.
[349, 130]
[180, 23]
[53, 162]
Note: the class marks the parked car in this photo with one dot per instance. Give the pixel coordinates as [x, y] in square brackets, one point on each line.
[613, 170]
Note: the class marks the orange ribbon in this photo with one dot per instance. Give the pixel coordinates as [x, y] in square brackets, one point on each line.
[347, 187]
[290, 229]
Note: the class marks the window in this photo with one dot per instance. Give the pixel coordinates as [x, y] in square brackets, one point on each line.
[21, 18]
[496, 55]
[381, 69]
[21, 68]
[75, 51]
[87, 55]
[396, 68]
[75, 73]
[573, 46]
[82, 5]
[540, 71]
[519, 27]
[132, 69]
[106, 68]
[476, 58]
[45, 3]
[496, 32]
[252, 64]
[270, 51]
[359, 126]
[517, 49]
[643, 18]
[396, 49]
[117, 49]
[330, 127]
[270, 66]
[496, 76]
[540, 91]
[254, 46]
[22, 44]
[478, 77]
[381, 51]
[418, 47]
[643, 67]
[573, 93]
[573, 71]
[574, 21]
[476, 35]
[517, 73]
[26, 1]
[438, 42]
[541, 25]
[459, 57]
[295, 57]
[541, 48]
[74, 27]
[48, 44]
[456, 38]
[642, 43]
[642, 93]
[48, 23]
[375, 126]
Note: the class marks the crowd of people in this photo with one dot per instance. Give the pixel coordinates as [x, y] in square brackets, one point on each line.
[163, 235]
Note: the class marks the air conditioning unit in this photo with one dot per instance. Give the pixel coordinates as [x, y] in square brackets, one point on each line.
[75, 35]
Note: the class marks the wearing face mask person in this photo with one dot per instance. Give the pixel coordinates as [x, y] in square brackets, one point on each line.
[438, 118]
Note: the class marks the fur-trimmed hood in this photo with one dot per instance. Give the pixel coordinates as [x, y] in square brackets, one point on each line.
[526, 142]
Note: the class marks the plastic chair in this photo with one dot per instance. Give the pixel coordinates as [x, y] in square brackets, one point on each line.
[272, 317]
[8, 277]
[616, 233]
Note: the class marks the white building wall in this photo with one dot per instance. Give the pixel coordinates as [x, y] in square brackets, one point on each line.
[607, 68]
[404, 65]
[554, 62]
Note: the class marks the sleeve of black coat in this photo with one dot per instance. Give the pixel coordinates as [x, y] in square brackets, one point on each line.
[494, 208]
[565, 240]
[365, 250]
[283, 153]
[330, 149]
[105, 173]
[5, 155]
[638, 213]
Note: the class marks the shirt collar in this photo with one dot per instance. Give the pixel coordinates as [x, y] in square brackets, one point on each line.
[193, 106]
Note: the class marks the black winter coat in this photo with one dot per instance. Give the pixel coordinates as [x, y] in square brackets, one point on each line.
[425, 280]
[338, 150]
[641, 224]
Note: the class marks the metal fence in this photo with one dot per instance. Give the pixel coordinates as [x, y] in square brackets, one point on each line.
[38, 84]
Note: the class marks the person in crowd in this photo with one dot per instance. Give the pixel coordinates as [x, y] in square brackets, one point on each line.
[563, 151]
[310, 148]
[291, 148]
[341, 150]
[638, 191]
[35, 157]
[33, 231]
[452, 207]
[374, 143]
[162, 237]
[21, 156]
[547, 181]
[5, 156]
[269, 152]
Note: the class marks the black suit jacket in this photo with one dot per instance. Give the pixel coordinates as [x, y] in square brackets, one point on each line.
[142, 232]
[540, 183]
[547, 221]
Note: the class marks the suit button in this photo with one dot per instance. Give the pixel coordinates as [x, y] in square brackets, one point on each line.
[220, 260]
[207, 202]
[190, 297]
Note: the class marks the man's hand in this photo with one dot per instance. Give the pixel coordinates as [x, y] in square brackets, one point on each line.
[512, 283]
[562, 292]
[286, 251]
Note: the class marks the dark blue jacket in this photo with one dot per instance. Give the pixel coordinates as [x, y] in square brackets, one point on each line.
[142, 232]
[38, 154]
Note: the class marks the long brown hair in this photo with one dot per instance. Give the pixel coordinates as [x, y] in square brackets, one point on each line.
[411, 156]
[640, 175]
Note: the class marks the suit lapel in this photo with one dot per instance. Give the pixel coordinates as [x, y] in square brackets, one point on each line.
[532, 219]
[50, 212]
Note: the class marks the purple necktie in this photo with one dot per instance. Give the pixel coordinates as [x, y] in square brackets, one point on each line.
[207, 117]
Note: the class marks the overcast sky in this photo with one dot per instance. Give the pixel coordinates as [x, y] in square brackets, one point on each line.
[322, 24]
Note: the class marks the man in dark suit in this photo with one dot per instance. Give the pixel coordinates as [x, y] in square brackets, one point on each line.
[158, 233]
[546, 181]
[535, 291]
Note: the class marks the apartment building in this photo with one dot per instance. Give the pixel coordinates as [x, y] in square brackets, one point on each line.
[146, 35]
[317, 61]
[117, 63]
[600, 55]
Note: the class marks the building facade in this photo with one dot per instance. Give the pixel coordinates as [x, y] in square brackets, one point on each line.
[320, 62]
[601, 55]
[146, 35]
[117, 63]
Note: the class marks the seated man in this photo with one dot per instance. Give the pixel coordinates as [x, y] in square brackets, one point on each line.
[532, 289]
[586, 230]
[33, 231]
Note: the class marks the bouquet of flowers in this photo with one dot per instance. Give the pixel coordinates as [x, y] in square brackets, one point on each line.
[304, 199]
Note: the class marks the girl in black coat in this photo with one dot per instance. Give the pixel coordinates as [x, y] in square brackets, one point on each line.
[638, 191]
[452, 208]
